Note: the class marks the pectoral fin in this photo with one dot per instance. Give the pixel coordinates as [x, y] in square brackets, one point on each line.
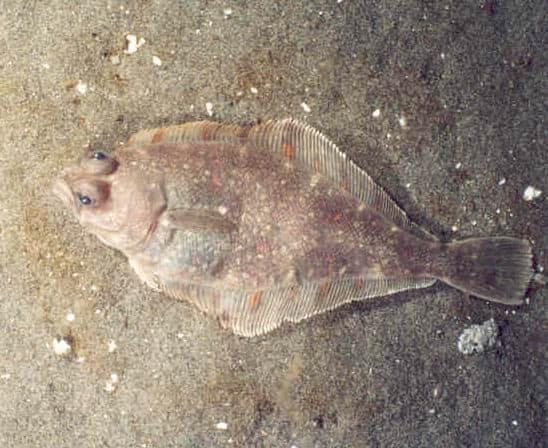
[197, 220]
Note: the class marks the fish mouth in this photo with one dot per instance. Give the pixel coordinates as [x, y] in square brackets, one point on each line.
[61, 189]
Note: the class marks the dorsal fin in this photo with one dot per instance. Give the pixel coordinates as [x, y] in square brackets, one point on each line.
[189, 132]
[302, 143]
[297, 142]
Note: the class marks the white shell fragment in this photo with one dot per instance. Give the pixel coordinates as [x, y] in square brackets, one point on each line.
[81, 88]
[222, 426]
[306, 107]
[531, 193]
[376, 113]
[478, 338]
[209, 108]
[156, 61]
[61, 346]
[110, 385]
[133, 44]
[112, 346]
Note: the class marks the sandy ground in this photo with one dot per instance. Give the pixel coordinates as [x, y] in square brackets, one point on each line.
[468, 82]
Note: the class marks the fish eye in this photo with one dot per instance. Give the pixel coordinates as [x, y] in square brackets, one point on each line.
[99, 155]
[84, 200]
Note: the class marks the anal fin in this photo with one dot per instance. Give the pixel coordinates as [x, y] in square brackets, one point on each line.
[251, 313]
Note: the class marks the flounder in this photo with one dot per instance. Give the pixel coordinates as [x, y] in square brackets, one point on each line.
[259, 225]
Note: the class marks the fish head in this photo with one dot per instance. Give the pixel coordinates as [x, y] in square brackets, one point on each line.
[118, 205]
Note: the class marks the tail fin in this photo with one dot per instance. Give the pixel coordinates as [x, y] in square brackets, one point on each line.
[498, 269]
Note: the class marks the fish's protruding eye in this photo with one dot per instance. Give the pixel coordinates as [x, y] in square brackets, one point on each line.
[91, 193]
[84, 200]
[99, 155]
[99, 162]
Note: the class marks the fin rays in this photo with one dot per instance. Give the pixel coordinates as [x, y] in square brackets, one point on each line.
[248, 316]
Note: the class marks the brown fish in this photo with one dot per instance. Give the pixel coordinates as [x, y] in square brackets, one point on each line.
[258, 225]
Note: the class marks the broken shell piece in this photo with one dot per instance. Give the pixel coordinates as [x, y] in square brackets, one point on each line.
[61, 346]
[133, 44]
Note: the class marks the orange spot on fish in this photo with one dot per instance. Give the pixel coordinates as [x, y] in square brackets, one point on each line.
[158, 136]
[216, 180]
[262, 246]
[255, 300]
[288, 151]
[205, 133]
[324, 287]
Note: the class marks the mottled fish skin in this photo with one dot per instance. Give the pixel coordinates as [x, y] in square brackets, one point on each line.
[261, 225]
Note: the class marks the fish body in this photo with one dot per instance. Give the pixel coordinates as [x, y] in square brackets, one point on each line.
[257, 225]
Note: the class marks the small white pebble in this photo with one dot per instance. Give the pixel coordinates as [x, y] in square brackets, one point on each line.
[454, 228]
[156, 61]
[227, 12]
[306, 107]
[5, 376]
[209, 108]
[70, 316]
[222, 425]
[115, 60]
[376, 113]
[408, 185]
[458, 166]
[531, 193]
[112, 346]
[81, 88]
[254, 90]
[442, 55]
[474, 222]
[527, 300]
[436, 392]
[45, 65]
[180, 335]
[110, 385]
[431, 411]
[133, 44]
[502, 181]
[61, 346]
[222, 210]
[402, 121]
[515, 422]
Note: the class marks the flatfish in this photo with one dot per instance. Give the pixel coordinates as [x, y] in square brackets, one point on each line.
[269, 223]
